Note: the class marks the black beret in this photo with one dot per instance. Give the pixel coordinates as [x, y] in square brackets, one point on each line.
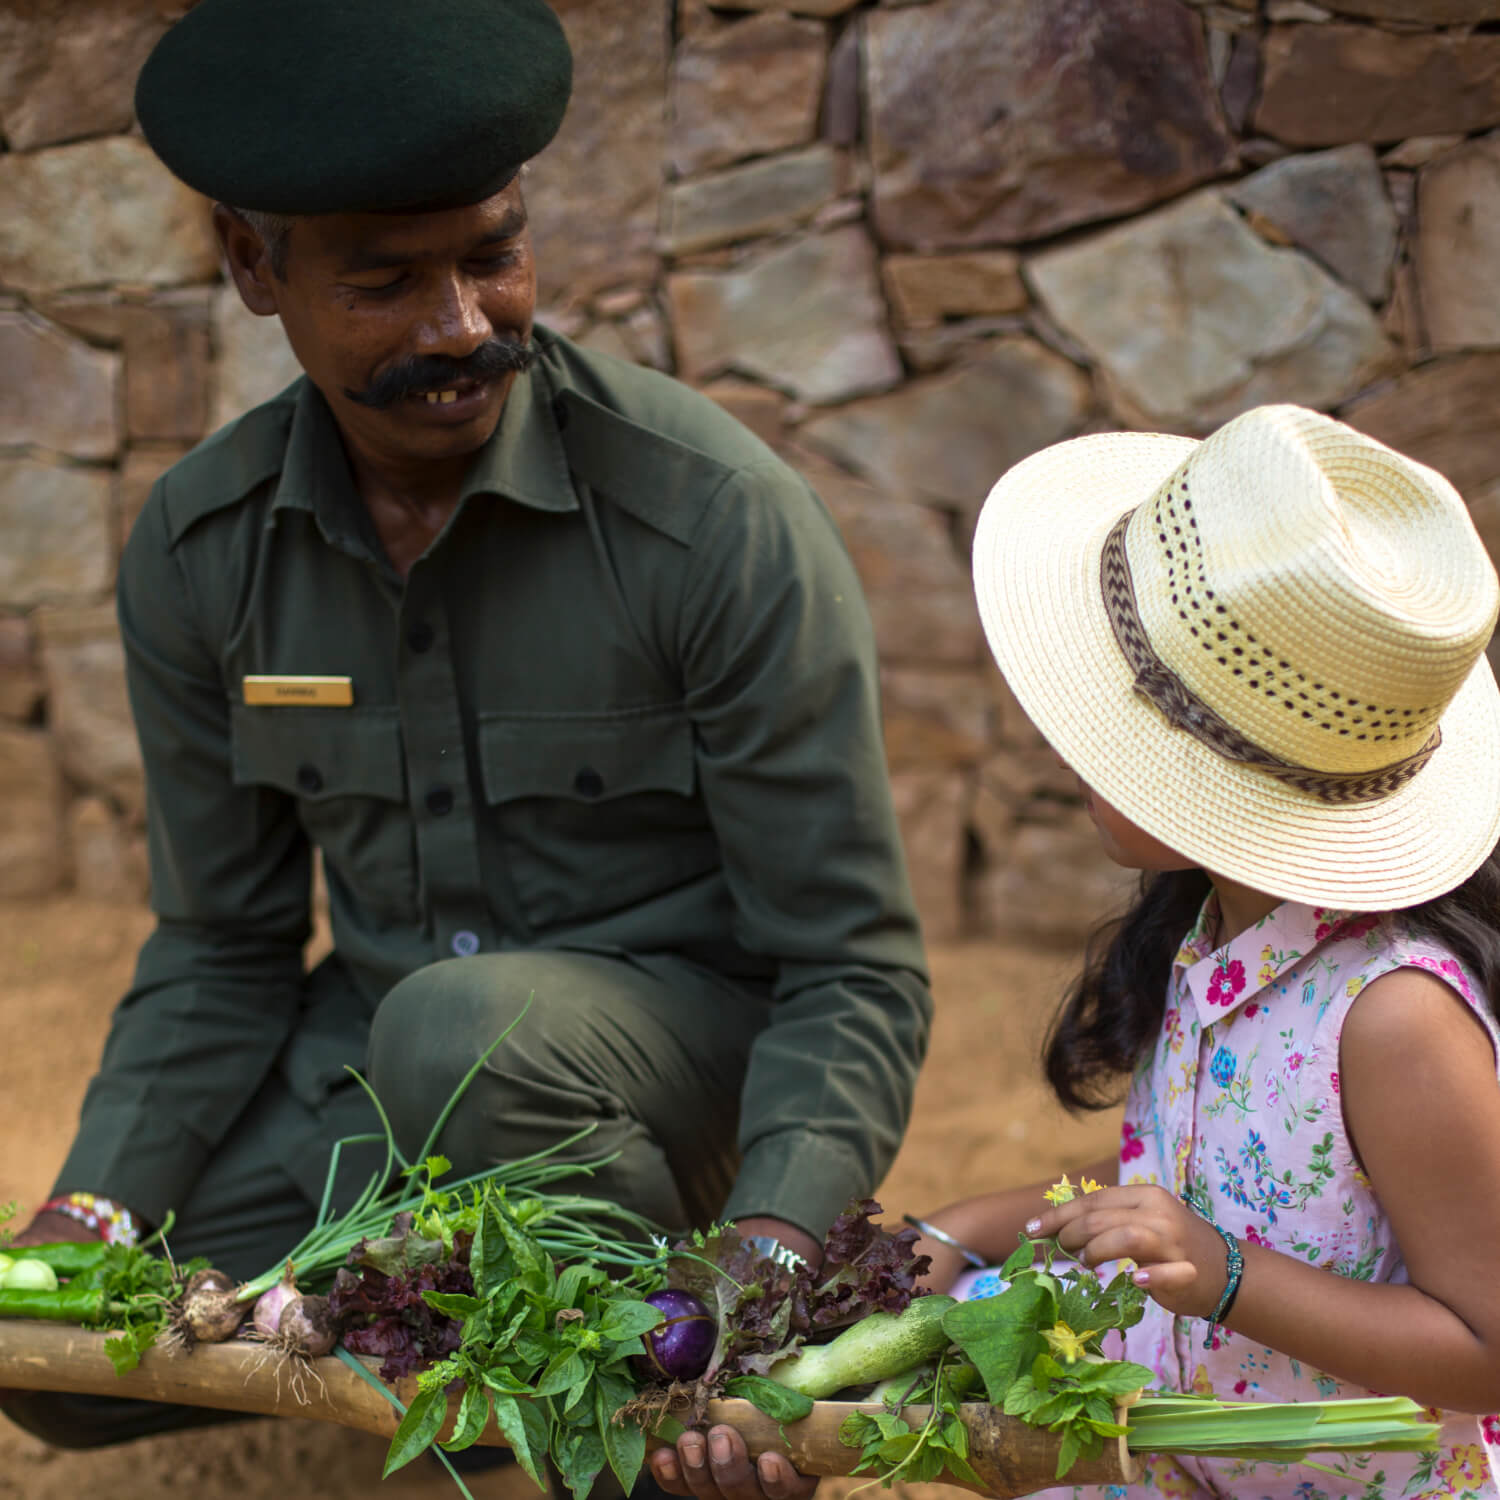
[351, 106]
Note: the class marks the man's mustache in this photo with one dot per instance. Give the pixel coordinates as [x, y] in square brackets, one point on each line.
[437, 372]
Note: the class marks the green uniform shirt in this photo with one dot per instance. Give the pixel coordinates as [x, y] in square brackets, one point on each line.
[627, 701]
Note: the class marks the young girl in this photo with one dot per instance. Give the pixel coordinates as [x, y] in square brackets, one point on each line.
[1263, 656]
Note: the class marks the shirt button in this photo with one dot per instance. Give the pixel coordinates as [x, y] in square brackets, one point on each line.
[588, 782]
[419, 637]
[310, 778]
[465, 944]
[440, 800]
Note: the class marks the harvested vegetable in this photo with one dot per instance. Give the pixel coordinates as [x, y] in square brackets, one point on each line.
[879, 1346]
[269, 1305]
[680, 1348]
[208, 1312]
[29, 1275]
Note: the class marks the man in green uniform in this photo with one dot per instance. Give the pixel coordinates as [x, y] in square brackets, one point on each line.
[567, 676]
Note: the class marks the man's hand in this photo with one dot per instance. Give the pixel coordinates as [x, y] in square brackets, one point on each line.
[799, 1240]
[50, 1229]
[717, 1466]
[1179, 1254]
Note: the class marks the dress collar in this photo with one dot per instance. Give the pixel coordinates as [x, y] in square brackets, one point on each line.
[1236, 975]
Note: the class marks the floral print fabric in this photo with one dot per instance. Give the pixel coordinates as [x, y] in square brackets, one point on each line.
[1238, 1107]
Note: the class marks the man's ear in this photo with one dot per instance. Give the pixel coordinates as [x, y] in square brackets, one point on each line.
[248, 261]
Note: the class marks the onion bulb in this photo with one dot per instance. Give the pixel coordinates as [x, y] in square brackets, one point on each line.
[269, 1306]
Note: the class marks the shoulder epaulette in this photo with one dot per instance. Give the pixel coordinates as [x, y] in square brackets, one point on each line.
[656, 478]
[226, 467]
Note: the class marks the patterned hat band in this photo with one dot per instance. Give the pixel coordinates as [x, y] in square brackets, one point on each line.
[1183, 709]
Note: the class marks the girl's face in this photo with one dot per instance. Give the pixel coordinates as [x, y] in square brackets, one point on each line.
[1126, 844]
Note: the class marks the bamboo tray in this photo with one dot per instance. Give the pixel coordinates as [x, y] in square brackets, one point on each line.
[1010, 1457]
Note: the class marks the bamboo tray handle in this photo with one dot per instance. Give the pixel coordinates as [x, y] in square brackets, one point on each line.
[1011, 1458]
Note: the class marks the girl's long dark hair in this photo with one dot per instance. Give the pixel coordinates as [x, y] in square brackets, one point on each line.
[1112, 1013]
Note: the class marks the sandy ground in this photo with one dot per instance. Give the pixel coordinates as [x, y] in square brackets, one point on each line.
[982, 1120]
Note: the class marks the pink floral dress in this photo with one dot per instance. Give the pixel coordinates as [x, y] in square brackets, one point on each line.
[1238, 1105]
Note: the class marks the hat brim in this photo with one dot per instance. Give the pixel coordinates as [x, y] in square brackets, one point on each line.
[1036, 578]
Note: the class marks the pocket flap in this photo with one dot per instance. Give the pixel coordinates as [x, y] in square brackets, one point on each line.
[585, 757]
[318, 753]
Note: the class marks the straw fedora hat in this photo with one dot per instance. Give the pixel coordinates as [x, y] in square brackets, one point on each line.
[1265, 648]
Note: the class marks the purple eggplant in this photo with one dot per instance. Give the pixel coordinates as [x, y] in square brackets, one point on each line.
[682, 1345]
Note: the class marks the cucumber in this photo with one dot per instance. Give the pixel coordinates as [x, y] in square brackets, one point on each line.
[878, 1346]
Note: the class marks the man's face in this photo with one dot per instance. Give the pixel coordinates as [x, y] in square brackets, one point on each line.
[412, 325]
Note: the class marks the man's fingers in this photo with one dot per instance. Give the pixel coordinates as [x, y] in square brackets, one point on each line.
[718, 1467]
[780, 1481]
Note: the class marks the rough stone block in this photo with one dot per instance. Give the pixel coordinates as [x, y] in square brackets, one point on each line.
[1334, 205]
[592, 194]
[56, 392]
[948, 438]
[108, 860]
[254, 361]
[57, 526]
[88, 712]
[934, 716]
[758, 198]
[1457, 250]
[32, 855]
[168, 358]
[745, 89]
[760, 409]
[98, 212]
[68, 70]
[1217, 320]
[998, 121]
[928, 288]
[807, 317]
[931, 808]
[1327, 85]
[21, 687]
[915, 583]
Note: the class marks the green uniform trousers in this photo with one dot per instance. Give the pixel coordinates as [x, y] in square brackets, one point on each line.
[651, 1052]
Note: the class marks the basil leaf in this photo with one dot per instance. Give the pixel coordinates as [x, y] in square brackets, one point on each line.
[473, 1413]
[776, 1401]
[423, 1421]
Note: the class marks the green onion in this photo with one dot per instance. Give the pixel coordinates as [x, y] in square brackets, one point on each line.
[1278, 1432]
[567, 1225]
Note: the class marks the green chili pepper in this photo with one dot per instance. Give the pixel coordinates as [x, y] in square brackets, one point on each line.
[68, 1258]
[68, 1304]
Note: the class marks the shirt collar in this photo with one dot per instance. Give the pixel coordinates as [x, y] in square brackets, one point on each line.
[523, 460]
[1225, 979]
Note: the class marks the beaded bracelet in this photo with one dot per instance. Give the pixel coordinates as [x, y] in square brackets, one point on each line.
[111, 1221]
[942, 1236]
[1234, 1266]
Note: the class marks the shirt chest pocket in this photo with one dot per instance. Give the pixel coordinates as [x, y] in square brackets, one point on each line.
[595, 812]
[346, 769]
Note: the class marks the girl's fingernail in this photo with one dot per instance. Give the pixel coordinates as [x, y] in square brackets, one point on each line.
[1033, 1226]
[1142, 1278]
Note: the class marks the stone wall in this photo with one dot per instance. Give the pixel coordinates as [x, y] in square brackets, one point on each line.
[908, 242]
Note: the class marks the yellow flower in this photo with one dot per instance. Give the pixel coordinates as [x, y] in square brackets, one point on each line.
[1355, 985]
[1066, 1192]
[1464, 1468]
[1068, 1346]
[1060, 1192]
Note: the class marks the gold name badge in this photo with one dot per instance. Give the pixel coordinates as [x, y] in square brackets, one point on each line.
[295, 692]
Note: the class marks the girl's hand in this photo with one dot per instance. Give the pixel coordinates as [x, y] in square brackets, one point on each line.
[1179, 1256]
